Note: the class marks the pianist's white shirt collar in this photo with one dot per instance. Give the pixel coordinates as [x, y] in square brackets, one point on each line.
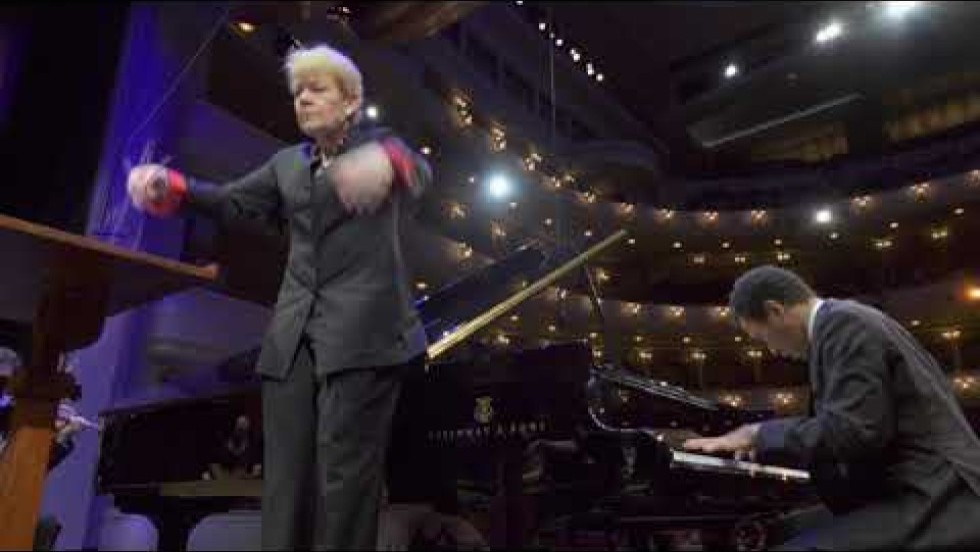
[812, 318]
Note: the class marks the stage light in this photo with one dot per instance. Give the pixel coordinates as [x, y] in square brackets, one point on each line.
[920, 191]
[829, 33]
[823, 216]
[731, 71]
[898, 10]
[498, 138]
[575, 55]
[245, 26]
[599, 77]
[499, 186]
[861, 202]
[973, 293]
[372, 112]
[951, 335]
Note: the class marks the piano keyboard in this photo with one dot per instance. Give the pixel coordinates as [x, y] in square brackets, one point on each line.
[701, 462]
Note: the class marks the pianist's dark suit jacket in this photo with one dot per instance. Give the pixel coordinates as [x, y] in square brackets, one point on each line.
[345, 282]
[887, 444]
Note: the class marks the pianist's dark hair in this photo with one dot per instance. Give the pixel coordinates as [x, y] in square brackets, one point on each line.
[766, 283]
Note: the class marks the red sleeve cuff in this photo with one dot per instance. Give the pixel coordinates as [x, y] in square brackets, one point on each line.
[401, 161]
[177, 184]
[176, 190]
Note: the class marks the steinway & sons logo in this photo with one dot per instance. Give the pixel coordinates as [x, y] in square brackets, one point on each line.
[483, 411]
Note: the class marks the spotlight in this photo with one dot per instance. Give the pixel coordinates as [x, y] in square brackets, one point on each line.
[245, 27]
[823, 216]
[499, 186]
[589, 69]
[599, 77]
[731, 71]
[372, 112]
[575, 55]
[829, 33]
[898, 10]
[542, 26]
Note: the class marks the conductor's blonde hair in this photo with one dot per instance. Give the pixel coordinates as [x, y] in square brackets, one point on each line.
[325, 60]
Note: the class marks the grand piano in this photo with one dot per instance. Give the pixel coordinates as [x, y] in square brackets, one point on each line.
[538, 446]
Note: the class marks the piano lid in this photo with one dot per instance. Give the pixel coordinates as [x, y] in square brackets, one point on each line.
[470, 295]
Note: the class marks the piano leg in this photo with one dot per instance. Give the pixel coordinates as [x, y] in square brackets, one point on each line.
[508, 522]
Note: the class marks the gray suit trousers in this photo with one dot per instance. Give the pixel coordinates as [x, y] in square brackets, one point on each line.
[325, 441]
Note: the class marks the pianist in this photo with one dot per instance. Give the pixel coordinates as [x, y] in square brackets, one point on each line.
[344, 330]
[888, 447]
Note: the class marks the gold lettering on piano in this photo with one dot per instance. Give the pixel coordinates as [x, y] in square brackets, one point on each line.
[483, 411]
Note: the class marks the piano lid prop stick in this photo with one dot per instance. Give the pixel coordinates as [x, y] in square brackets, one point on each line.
[505, 306]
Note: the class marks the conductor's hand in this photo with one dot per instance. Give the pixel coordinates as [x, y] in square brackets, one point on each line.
[148, 189]
[362, 178]
[740, 441]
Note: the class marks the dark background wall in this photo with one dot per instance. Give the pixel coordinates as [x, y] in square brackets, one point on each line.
[61, 59]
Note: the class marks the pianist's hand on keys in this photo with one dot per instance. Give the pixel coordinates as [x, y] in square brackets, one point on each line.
[740, 441]
[675, 438]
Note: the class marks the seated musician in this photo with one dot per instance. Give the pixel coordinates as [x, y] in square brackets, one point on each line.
[67, 424]
[889, 450]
